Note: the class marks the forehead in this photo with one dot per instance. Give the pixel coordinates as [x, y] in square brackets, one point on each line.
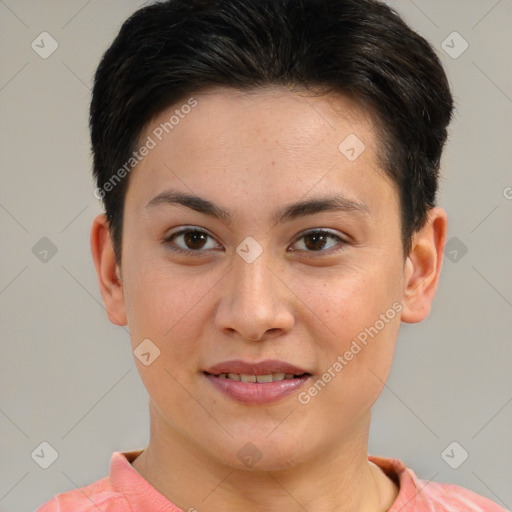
[291, 117]
[254, 140]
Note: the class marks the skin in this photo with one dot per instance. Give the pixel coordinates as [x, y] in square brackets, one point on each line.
[254, 154]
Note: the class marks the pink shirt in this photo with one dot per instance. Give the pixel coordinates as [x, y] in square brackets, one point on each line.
[125, 490]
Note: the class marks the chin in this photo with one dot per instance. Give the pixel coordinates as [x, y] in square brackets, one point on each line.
[259, 453]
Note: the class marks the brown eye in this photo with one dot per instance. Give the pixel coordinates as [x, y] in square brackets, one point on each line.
[190, 241]
[194, 239]
[318, 240]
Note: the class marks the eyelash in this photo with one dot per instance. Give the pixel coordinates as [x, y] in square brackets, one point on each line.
[167, 241]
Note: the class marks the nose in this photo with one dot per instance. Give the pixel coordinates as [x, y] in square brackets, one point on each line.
[256, 303]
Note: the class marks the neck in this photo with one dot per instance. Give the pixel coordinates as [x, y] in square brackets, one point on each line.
[339, 480]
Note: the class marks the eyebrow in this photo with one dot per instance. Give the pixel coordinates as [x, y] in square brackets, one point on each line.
[290, 212]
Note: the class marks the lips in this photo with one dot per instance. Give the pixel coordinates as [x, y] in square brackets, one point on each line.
[268, 367]
[256, 383]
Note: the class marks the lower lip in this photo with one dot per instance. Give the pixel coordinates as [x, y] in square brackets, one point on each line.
[257, 393]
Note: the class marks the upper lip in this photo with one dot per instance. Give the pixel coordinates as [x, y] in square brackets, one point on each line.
[255, 368]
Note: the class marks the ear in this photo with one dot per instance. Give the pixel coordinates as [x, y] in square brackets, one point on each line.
[107, 271]
[423, 267]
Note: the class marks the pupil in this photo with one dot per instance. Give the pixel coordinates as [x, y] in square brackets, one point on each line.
[193, 237]
[316, 237]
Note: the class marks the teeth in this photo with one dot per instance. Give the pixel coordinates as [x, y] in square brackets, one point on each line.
[263, 379]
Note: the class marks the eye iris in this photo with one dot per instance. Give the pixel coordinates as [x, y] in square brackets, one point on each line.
[192, 238]
[315, 241]
[316, 237]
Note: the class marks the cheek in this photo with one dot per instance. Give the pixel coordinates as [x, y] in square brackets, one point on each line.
[163, 305]
[360, 318]
[351, 301]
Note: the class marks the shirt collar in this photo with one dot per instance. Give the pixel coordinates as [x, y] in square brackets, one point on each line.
[141, 494]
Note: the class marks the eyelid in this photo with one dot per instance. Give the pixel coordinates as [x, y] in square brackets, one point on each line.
[342, 237]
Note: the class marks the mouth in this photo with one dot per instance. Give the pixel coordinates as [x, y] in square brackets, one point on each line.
[259, 379]
[256, 383]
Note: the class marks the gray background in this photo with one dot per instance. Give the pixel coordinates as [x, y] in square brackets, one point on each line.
[68, 375]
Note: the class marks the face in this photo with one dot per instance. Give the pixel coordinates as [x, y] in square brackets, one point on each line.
[223, 283]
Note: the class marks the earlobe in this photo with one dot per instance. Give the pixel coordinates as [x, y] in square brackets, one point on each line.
[107, 271]
[423, 267]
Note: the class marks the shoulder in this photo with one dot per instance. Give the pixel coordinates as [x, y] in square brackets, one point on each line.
[415, 494]
[96, 496]
[453, 498]
[443, 497]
